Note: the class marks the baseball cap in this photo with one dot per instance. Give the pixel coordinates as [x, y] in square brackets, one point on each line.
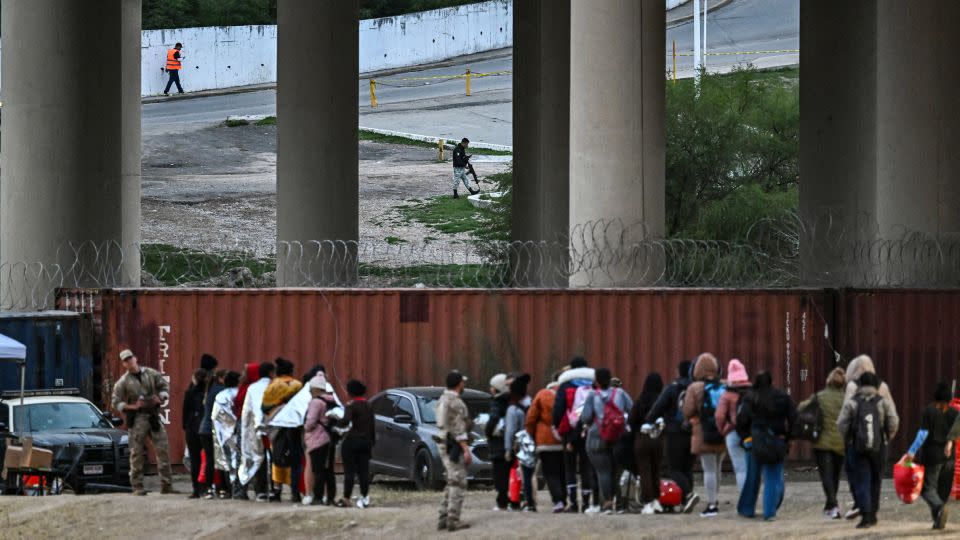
[125, 354]
[454, 378]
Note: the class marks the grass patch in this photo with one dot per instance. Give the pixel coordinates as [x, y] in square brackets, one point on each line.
[366, 135]
[395, 240]
[436, 275]
[268, 121]
[173, 265]
[232, 122]
[444, 214]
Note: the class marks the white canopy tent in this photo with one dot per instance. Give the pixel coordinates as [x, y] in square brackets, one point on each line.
[13, 350]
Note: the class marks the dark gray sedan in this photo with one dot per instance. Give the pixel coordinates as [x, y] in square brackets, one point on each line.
[406, 424]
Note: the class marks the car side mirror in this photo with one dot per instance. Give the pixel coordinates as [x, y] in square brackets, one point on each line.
[403, 419]
[116, 421]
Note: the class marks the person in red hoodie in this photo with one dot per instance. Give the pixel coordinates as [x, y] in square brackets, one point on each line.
[737, 384]
[549, 448]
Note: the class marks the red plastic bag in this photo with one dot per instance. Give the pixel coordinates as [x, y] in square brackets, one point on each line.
[908, 480]
[956, 470]
[515, 485]
[202, 477]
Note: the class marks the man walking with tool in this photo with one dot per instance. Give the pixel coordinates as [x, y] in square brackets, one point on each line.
[455, 425]
[139, 394]
[460, 163]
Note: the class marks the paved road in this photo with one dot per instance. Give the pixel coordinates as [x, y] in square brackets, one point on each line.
[438, 106]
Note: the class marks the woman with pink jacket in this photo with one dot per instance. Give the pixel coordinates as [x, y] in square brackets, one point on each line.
[737, 385]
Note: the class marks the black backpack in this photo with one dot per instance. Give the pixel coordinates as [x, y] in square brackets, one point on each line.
[867, 430]
[712, 390]
[809, 425]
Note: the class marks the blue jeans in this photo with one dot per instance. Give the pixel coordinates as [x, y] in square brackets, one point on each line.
[773, 488]
[864, 473]
[738, 456]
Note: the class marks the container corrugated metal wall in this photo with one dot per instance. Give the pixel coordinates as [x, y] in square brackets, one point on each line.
[913, 337]
[403, 337]
[58, 351]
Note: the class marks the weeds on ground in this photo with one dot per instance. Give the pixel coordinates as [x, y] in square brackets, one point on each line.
[236, 122]
[366, 135]
[172, 265]
[444, 214]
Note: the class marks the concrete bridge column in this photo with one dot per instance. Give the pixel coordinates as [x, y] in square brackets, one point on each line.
[880, 120]
[70, 185]
[317, 156]
[541, 138]
[617, 141]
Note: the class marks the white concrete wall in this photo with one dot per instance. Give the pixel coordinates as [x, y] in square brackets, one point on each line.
[431, 36]
[215, 57]
[671, 4]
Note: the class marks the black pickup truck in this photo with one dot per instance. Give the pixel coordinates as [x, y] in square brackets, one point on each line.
[88, 449]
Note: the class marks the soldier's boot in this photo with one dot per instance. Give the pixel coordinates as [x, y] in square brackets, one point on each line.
[139, 491]
[168, 489]
[442, 524]
[454, 526]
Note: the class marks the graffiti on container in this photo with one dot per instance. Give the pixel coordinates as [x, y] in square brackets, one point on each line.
[803, 327]
[788, 353]
[163, 355]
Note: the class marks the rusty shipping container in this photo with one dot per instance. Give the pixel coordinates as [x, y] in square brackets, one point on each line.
[913, 337]
[403, 337]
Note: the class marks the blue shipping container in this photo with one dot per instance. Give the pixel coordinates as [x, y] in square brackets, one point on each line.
[59, 351]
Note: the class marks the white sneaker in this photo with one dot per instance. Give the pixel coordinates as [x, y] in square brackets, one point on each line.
[308, 500]
[656, 507]
[592, 510]
[363, 502]
[648, 509]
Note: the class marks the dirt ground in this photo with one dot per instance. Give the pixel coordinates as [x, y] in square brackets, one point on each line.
[214, 188]
[400, 512]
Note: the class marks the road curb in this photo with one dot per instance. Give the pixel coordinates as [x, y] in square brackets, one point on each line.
[389, 132]
[431, 139]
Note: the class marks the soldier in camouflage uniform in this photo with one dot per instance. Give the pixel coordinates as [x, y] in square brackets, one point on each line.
[455, 425]
[139, 394]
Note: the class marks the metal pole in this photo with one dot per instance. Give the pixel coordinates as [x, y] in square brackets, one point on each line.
[468, 81]
[697, 51]
[704, 42]
[373, 93]
[674, 61]
[23, 380]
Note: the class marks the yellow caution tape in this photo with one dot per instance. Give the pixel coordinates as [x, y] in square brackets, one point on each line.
[455, 76]
[736, 53]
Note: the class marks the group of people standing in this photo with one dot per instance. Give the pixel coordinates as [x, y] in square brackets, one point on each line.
[595, 444]
[237, 426]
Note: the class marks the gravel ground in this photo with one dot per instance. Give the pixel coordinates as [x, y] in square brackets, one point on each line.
[400, 512]
[215, 188]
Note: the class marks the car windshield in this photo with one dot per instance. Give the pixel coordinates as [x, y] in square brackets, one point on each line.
[58, 416]
[428, 408]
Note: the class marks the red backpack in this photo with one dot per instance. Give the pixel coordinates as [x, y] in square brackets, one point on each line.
[614, 425]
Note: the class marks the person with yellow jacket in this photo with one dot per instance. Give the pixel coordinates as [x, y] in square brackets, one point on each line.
[174, 64]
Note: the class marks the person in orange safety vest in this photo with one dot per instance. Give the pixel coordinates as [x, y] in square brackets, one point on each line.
[173, 68]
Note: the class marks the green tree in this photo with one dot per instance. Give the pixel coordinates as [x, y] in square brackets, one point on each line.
[739, 137]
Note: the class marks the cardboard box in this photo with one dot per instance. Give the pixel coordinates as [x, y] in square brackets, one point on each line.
[27, 456]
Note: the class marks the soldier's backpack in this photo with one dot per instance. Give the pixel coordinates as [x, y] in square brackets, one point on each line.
[712, 390]
[866, 430]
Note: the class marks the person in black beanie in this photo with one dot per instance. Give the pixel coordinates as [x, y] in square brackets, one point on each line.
[357, 444]
[208, 362]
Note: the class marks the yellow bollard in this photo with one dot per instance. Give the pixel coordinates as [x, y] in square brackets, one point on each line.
[674, 61]
[468, 81]
[440, 149]
[373, 93]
